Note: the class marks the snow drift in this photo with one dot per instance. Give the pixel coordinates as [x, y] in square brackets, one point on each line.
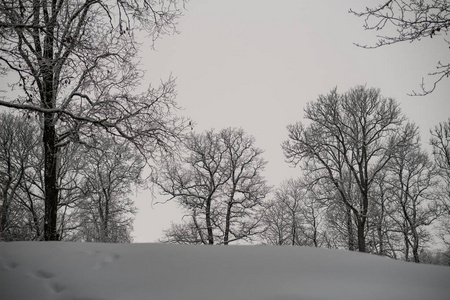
[89, 271]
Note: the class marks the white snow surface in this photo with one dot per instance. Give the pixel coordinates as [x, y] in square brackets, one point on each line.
[93, 271]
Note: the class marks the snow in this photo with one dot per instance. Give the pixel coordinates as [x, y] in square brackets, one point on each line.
[91, 271]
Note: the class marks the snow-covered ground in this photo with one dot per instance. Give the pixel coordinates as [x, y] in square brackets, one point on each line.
[89, 271]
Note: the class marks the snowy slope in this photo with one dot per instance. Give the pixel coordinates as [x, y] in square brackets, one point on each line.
[88, 271]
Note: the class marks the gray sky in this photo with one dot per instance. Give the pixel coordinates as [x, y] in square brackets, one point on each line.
[255, 64]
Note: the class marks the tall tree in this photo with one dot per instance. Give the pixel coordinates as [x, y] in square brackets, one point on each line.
[75, 64]
[409, 21]
[196, 180]
[349, 138]
[219, 182]
[246, 187]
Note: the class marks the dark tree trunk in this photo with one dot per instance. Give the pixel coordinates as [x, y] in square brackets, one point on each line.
[415, 246]
[416, 254]
[4, 210]
[208, 222]
[361, 236]
[351, 237]
[380, 230]
[4, 217]
[227, 223]
[48, 96]
[406, 246]
[314, 229]
[50, 178]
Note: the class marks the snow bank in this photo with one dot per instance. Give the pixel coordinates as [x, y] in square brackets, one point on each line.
[89, 271]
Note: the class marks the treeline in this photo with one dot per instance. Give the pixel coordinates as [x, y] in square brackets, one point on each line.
[365, 184]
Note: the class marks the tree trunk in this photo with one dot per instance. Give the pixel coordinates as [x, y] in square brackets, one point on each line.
[4, 216]
[227, 223]
[314, 229]
[48, 96]
[50, 178]
[361, 238]
[4, 210]
[380, 239]
[106, 228]
[380, 229]
[415, 246]
[415, 251]
[208, 221]
[351, 238]
[406, 247]
[197, 227]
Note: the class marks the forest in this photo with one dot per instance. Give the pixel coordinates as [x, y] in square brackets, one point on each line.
[76, 139]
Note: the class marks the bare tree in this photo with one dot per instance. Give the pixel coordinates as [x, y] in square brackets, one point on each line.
[277, 224]
[219, 183]
[107, 181]
[245, 189]
[349, 138]
[339, 227]
[18, 142]
[410, 21]
[93, 186]
[294, 216]
[187, 233]
[288, 200]
[71, 163]
[382, 230]
[75, 64]
[440, 142]
[339, 220]
[196, 180]
[412, 179]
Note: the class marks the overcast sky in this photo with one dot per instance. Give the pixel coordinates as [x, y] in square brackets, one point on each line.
[255, 64]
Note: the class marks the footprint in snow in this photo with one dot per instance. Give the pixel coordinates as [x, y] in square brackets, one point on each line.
[47, 276]
[108, 259]
[57, 288]
[10, 265]
[44, 274]
[92, 252]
